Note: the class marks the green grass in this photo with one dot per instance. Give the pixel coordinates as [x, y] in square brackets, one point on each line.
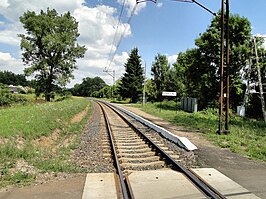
[35, 120]
[247, 137]
[22, 128]
[19, 178]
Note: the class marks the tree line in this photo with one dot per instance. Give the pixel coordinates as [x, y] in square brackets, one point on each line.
[196, 71]
[50, 55]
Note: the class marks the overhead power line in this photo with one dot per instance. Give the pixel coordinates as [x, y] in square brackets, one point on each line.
[118, 24]
[111, 58]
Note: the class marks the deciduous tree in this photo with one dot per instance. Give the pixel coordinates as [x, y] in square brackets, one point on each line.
[88, 86]
[50, 48]
[198, 68]
[9, 78]
[160, 72]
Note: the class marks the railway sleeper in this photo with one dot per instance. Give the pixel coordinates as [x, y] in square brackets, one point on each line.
[137, 155]
[123, 137]
[145, 159]
[140, 146]
[106, 155]
[105, 146]
[143, 166]
[107, 151]
[143, 150]
[127, 141]
[126, 129]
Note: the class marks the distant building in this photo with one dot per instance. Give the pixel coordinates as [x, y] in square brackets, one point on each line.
[16, 89]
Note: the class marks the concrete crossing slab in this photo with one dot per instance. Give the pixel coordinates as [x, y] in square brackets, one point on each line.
[100, 186]
[223, 184]
[159, 184]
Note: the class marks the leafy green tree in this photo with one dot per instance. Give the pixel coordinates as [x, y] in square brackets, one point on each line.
[198, 69]
[185, 73]
[160, 72]
[7, 98]
[50, 48]
[9, 78]
[88, 86]
[132, 82]
[150, 89]
[209, 48]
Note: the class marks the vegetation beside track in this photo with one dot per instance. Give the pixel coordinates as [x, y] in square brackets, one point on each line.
[247, 136]
[40, 138]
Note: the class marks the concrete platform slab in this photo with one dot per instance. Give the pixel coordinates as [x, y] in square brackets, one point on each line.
[100, 186]
[159, 184]
[223, 184]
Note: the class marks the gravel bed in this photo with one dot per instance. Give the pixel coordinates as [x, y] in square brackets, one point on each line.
[92, 158]
[90, 155]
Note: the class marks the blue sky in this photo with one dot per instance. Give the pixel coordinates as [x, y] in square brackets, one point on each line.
[168, 27]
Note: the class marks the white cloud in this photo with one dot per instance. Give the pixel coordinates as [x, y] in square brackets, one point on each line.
[172, 58]
[4, 4]
[7, 62]
[97, 27]
[13, 9]
[10, 34]
[130, 5]
[264, 38]
[159, 5]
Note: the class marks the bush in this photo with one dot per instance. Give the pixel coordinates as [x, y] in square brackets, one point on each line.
[7, 98]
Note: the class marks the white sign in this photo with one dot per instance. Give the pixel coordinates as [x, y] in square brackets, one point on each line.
[165, 93]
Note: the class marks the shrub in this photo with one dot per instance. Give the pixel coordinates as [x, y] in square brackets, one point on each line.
[7, 98]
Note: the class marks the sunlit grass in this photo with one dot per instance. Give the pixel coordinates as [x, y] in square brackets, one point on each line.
[247, 137]
[22, 128]
[36, 120]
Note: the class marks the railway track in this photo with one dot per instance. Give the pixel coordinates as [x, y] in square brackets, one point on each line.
[136, 149]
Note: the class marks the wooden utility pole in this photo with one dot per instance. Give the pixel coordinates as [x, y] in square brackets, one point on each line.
[224, 69]
[227, 109]
[221, 98]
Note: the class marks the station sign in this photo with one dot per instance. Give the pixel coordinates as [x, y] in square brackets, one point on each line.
[166, 93]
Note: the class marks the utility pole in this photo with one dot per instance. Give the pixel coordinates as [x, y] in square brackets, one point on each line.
[227, 69]
[259, 79]
[220, 127]
[224, 76]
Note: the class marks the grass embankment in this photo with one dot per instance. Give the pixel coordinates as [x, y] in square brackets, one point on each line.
[247, 137]
[40, 138]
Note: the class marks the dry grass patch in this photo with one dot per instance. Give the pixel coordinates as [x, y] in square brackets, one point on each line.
[78, 117]
[47, 141]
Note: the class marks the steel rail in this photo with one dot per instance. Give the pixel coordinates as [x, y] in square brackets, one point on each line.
[118, 168]
[203, 186]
